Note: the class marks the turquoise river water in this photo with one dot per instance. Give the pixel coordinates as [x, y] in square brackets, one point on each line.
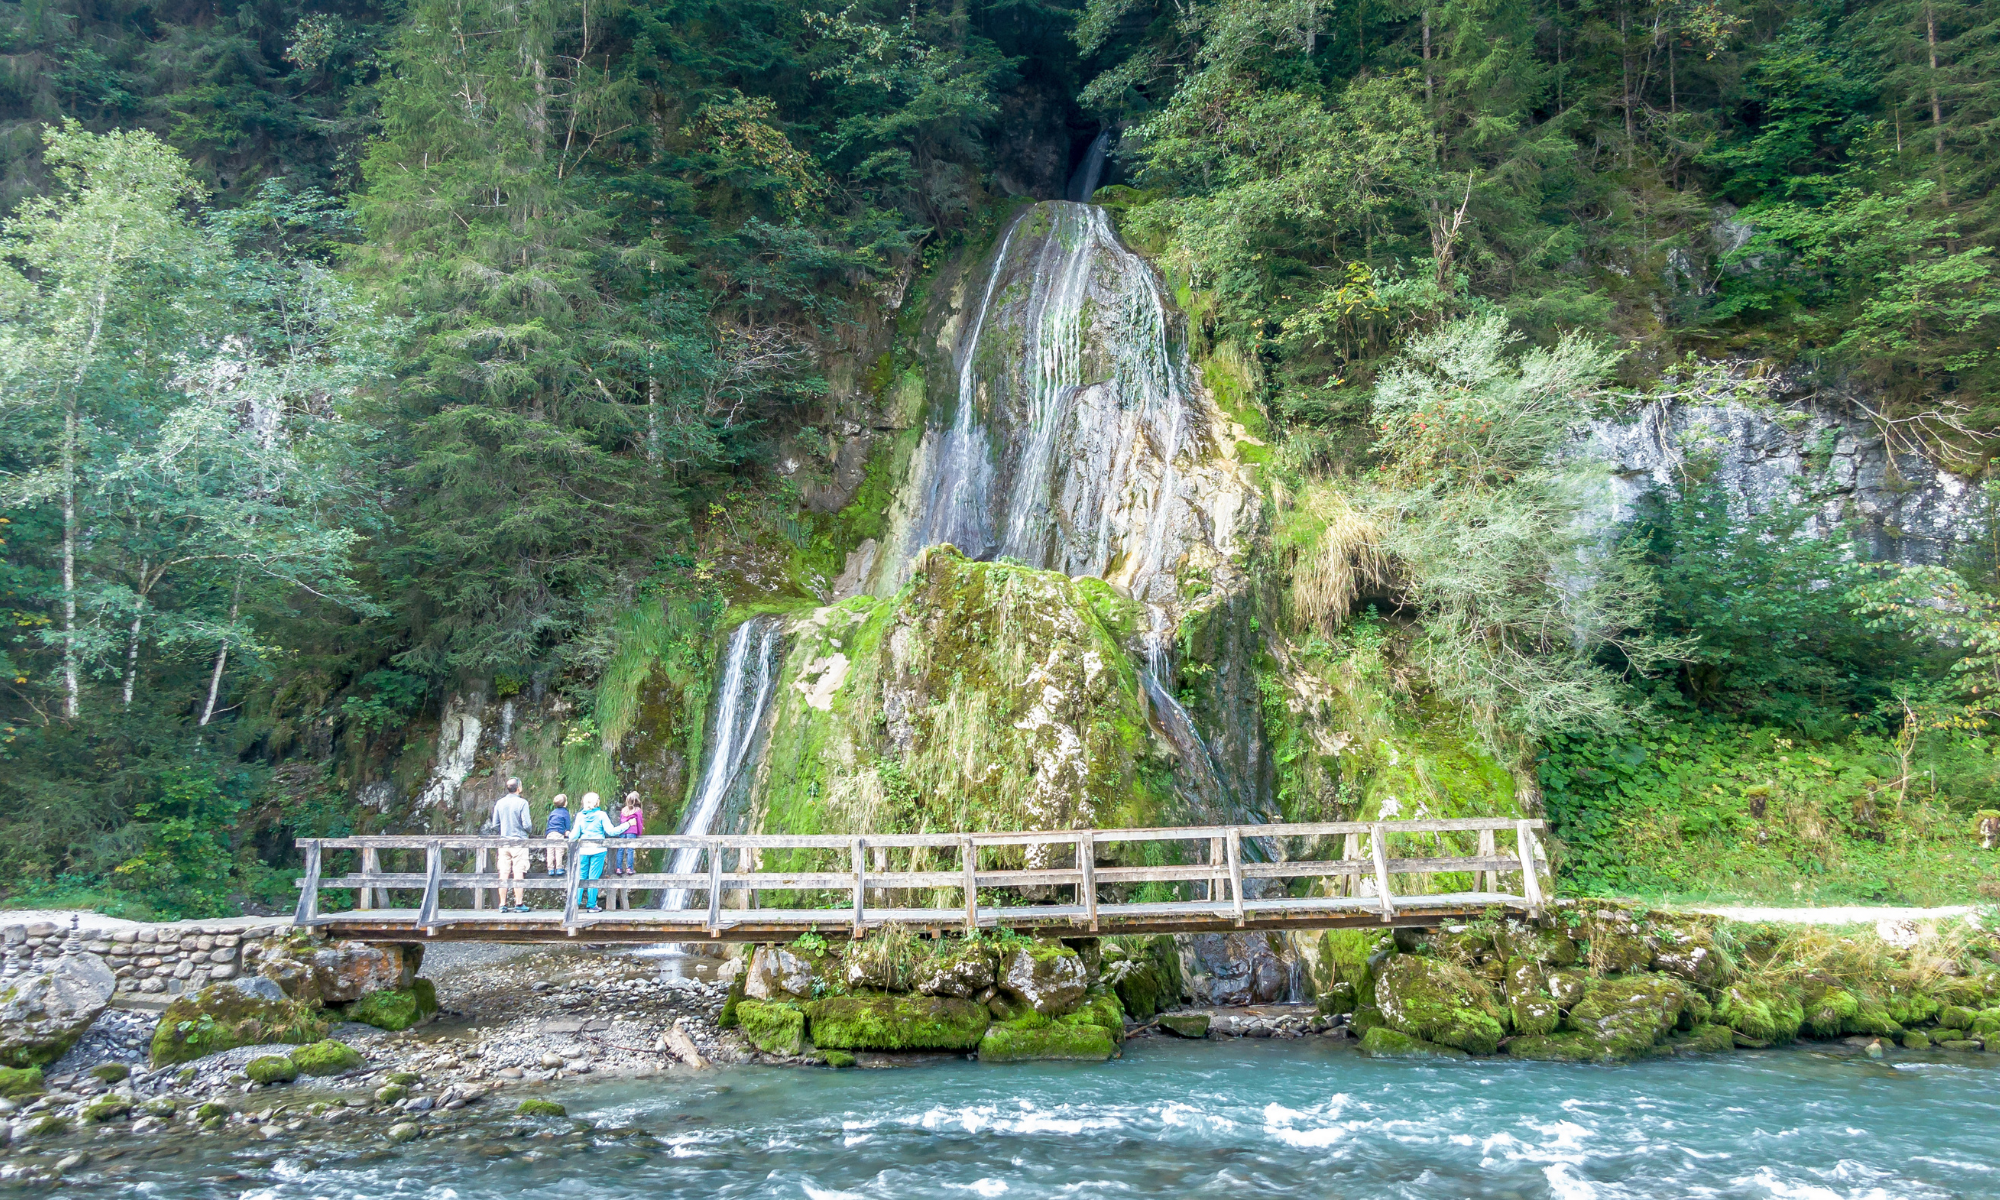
[1307, 1118]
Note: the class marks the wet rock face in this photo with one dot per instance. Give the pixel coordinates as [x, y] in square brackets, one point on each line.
[1237, 968]
[42, 1015]
[1911, 510]
[1048, 979]
[1068, 429]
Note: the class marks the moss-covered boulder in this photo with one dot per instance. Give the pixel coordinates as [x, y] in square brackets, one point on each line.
[1035, 1038]
[1342, 979]
[895, 1021]
[396, 1009]
[1047, 977]
[1916, 1040]
[1549, 946]
[1186, 1024]
[1145, 971]
[1705, 1038]
[1566, 987]
[1689, 953]
[1383, 1042]
[963, 970]
[19, 1083]
[540, 1108]
[333, 973]
[1617, 942]
[773, 1026]
[329, 1057]
[224, 1016]
[1627, 1017]
[1761, 1014]
[1441, 1002]
[1956, 1016]
[271, 1068]
[1529, 1001]
[1558, 1047]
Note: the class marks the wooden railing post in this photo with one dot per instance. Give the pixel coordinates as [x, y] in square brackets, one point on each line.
[365, 897]
[715, 888]
[479, 868]
[1215, 857]
[1383, 894]
[971, 853]
[1489, 879]
[1350, 851]
[1236, 873]
[1086, 882]
[308, 888]
[860, 886]
[756, 864]
[1531, 883]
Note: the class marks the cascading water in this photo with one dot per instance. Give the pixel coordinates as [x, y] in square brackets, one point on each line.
[1083, 184]
[750, 672]
[1074, 410]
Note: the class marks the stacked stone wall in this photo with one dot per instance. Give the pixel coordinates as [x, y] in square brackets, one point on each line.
[152, 962]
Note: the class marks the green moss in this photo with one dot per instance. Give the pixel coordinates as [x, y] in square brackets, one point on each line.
[106, 1108]
[222, 1018]
[271, 1068]
[1146, 971]
[838, 1058]
[18, 1083]
[892, 1021]
[728, 1017]
[1427, 998]
[1102, 1009]
[1529, 1003]
[540, 1108]
[773, 1027]
[1557, 1047]
[1627, 1017]
[1034, 1038]
[326, 1058]
[1706, 1039]
[1915, 1040]
[1766, 1015]
[1831, 1012]
[1383, 1042]
[210, 1110]
[395, 1009]
[110, 1072]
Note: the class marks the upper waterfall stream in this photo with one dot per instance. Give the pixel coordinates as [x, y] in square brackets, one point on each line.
[750, 672]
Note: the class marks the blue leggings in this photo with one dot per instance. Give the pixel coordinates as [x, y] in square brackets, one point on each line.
[590, 866]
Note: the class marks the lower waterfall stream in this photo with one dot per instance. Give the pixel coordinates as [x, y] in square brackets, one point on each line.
[749, 673]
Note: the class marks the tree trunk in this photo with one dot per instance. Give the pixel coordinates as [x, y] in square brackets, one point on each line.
[1625, 77]
[132, 646]
[1937, 109]
[221, 657]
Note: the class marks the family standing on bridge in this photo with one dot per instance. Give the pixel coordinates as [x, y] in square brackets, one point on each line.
[591, 827]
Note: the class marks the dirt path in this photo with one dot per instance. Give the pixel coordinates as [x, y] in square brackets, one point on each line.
[1854, 914]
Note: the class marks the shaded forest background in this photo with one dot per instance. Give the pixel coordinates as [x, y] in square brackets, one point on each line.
[355, 352]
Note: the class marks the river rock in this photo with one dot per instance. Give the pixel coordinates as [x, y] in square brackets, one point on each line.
[776, 973]
[1187, 1025]
[774, 1027]
[396, 1009]
[1383, 1042]
[333, 973]
[42, 1015]
[1047, 977]
[1034, 1038]
[962, 974]
[1229, 969]
[1436, 1001]
[1690, 954]
[1145, 972]
[224, 1016]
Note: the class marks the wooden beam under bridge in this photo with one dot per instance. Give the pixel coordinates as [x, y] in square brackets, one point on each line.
[830, 897]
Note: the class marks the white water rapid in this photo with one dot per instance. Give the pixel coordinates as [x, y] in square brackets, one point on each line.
[749, 674]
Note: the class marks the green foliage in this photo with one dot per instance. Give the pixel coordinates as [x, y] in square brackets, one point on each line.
[395, 1009]
[1714, 810]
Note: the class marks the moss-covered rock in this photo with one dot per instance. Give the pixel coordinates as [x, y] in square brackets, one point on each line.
[107, 1108]
[1617, 942]
[43, 1014]
[1762, 1014]
[19, 1083]
[1101, 1008]
[329, 1057]
[1985, 1023]
[334, 973]
[111, 1072]
[837, 1058]
[1558, 1047]
[1383, 1042]
[1551, 947]
[1830, 1010]
[773, 1026]
[1566, 987]
[540, 1108]
[1705, 1039]
[1187, 1025]
[1048, 977]
[225, 1016]
[271, 1068]
[1145, 971]
[962, 971]
[1690, 953]
[1627, 1016]
[890, 1021]
[1915, 1040]
[1436, 1001]
[1529, 1002]
[1035, 1038]
[726, 1019]
[396, 1009]
[1956, 1016]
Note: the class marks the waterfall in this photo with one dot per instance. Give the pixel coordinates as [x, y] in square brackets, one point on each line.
[750, 672]
[1083, 184]
[1074, 406]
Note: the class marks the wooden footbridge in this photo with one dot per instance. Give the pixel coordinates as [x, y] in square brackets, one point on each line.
[1192, 880]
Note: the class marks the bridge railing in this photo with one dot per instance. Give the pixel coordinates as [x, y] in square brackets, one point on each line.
[1221, 874]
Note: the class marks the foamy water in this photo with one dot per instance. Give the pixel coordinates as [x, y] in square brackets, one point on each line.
[1298, 1118]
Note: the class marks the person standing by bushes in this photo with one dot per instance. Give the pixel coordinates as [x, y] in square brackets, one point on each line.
[511, 819]
[556, 830]
[590, 831]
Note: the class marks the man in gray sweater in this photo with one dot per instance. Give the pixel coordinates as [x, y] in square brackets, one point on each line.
[511, 820]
